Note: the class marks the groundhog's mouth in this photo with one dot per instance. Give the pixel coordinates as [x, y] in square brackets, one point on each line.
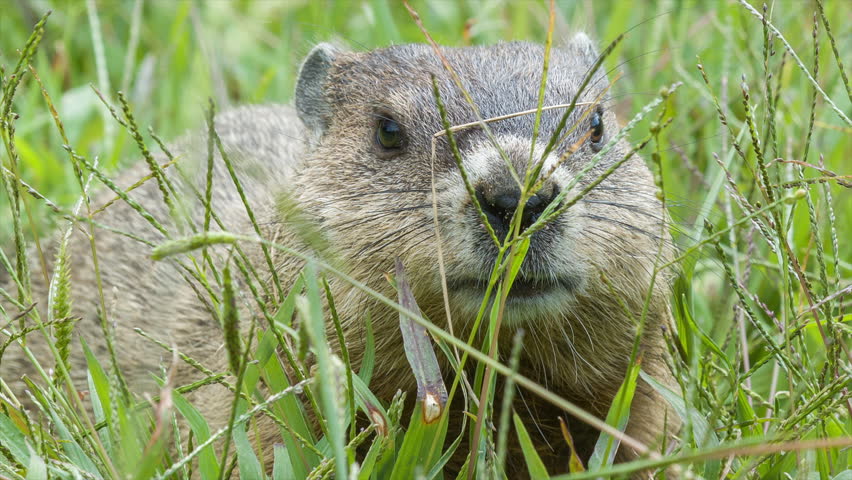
[522, 289]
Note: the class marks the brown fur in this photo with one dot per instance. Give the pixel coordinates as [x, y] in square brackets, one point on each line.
[370, 209]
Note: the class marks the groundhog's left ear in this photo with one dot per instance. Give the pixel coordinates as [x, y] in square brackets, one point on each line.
[311, 102]
[583, 49]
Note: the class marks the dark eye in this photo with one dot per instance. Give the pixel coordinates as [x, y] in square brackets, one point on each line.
[597, 127]
[389, 134]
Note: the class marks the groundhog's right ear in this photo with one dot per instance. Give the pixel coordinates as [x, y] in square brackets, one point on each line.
[311, 102]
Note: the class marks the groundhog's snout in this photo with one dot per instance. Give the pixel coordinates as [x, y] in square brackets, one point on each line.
[495, 173]
[553, 270]
[500, 200]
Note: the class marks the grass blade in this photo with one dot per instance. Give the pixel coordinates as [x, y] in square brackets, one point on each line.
[534, 464]
[309, 308]
[246, 459]
[618, 415]
[208, 465]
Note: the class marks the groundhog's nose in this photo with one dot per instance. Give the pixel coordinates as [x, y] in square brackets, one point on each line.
[499, 203]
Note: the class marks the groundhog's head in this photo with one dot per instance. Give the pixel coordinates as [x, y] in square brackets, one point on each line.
[369, 173]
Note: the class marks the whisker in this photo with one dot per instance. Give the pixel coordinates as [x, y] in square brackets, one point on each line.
[354, 222]
[391, 191]
[415, 245]
[609, 237]
[626, 225]
[374, 267]
[391, 237]
[626, 206]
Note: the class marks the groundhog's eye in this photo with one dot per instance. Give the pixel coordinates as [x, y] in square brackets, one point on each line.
[597, 127]
[389, 134]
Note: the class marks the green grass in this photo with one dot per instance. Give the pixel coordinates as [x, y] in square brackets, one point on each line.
[764, 376]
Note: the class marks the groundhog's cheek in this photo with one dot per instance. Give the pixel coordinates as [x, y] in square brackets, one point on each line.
[461, 244]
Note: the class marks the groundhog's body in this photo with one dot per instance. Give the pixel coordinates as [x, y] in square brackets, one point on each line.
[154, 296]
[371, 203]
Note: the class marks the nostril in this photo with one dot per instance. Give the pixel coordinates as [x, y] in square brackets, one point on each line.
[499, 205]
[537, 204]
[506, 202]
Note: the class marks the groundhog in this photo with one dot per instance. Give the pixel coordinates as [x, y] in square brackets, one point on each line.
[355, 157]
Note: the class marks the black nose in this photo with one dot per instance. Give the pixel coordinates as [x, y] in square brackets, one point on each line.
[499, 203]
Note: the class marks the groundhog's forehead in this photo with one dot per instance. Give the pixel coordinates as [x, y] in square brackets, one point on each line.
[485, 64]
[475, 58]
[501, 79]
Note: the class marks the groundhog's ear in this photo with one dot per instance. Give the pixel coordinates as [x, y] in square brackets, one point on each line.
[583, 49]
[311, 102]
